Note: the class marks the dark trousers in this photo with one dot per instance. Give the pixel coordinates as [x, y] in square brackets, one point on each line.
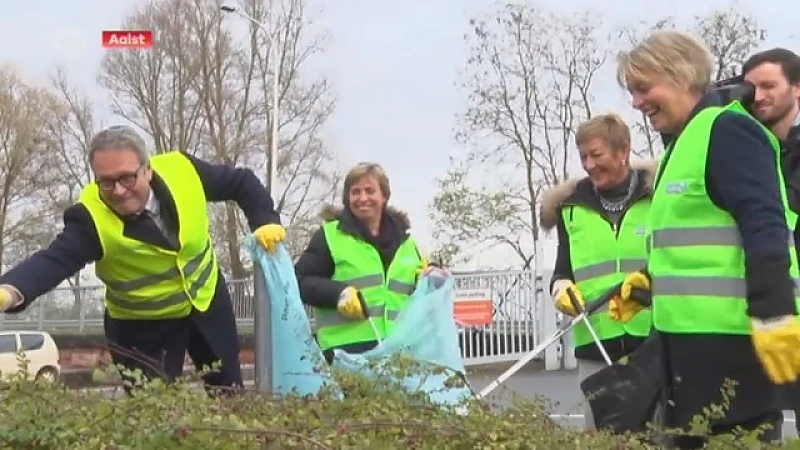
[158, 347]
[698, 367]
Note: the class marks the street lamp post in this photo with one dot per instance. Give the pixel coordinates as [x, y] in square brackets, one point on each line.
[273, 148]
[262, 320]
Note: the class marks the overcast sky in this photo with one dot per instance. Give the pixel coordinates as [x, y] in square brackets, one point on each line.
[393, 66]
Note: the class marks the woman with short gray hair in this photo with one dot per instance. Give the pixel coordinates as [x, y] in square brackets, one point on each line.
[600, 221]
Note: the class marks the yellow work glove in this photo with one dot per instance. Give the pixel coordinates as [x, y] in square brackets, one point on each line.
[561, 298]
[269, 235]
[8, 298]
[776, 342]
[424, 265]
[615, 310]
[351, 304]
[627, 307]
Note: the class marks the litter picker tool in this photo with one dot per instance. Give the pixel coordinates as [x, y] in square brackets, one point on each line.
[577, 305]
[374, 329]
[563, 328]
[369, 318]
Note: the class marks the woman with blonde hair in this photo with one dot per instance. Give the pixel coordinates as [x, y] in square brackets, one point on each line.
[720, 264]
[360, 268]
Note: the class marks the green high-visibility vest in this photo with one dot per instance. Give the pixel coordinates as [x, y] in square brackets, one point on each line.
[601, 255]
[358, 264]
[145, 281]
[696, 259]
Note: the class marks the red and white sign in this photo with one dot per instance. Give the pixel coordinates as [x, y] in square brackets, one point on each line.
[116, 39]
[473, 307]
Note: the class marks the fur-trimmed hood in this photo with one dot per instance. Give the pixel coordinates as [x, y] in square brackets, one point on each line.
[555, 196]
[331, 212]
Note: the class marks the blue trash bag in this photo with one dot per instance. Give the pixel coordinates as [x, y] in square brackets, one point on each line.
[426, 332]
[298, 366]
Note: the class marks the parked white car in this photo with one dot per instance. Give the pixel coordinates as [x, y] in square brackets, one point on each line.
[39, 349]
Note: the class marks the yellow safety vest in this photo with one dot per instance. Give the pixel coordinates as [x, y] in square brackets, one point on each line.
[145, 281]
[601, 255]
[358, 264]
[696, 260]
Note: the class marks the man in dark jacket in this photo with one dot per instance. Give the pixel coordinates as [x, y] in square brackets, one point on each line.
[775, 74]
[143, 222]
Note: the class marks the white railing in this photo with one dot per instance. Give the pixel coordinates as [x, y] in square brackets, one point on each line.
[522, 316]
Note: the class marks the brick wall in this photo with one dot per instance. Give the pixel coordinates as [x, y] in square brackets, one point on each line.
[86, 352]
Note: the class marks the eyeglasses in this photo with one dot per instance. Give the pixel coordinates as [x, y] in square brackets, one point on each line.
[126, 180]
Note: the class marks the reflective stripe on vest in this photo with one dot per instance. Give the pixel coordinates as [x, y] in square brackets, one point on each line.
[379, 311]
[696, 259]
[358, 264]
[609, 267]
[600, 257]
[703, 285]
[145, 281]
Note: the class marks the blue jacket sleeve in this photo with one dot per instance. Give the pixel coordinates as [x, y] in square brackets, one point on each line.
[223, 183]
[742, 179]
[75, 246]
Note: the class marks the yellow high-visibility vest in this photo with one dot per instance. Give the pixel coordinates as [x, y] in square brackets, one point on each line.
[145, 281]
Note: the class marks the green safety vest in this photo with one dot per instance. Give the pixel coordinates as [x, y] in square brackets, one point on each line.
[601, 256]
[358, 264]
[696, 260]
[145, 281]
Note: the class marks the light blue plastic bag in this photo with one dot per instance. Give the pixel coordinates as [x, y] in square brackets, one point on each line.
[298, 366]
[425, 331]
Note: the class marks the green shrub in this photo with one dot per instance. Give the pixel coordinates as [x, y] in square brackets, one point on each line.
[374, 415]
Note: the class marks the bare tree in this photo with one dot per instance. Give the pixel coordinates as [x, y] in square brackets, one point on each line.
[155, 88]
[205, 90]
[732, 35]
[528, 80]
[26, 165]
[69, 128]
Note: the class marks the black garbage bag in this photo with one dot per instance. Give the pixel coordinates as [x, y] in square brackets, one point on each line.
[624, 396]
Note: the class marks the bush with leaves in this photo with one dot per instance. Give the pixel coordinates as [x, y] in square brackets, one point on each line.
[375, 414]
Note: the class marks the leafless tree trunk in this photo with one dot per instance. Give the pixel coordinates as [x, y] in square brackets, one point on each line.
[71, 130]
[26, 166]
[528, 80]
[204, 90]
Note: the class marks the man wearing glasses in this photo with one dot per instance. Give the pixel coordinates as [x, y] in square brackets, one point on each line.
[144, 224]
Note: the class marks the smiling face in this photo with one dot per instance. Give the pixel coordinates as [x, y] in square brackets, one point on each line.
[666, 104]
[666, 74]
[123, 179]
[604, 143]
[775, 98]
[606, 167]
[366, 200]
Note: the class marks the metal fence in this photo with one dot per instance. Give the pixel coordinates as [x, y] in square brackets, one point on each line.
[521, 316]
[517, 322]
